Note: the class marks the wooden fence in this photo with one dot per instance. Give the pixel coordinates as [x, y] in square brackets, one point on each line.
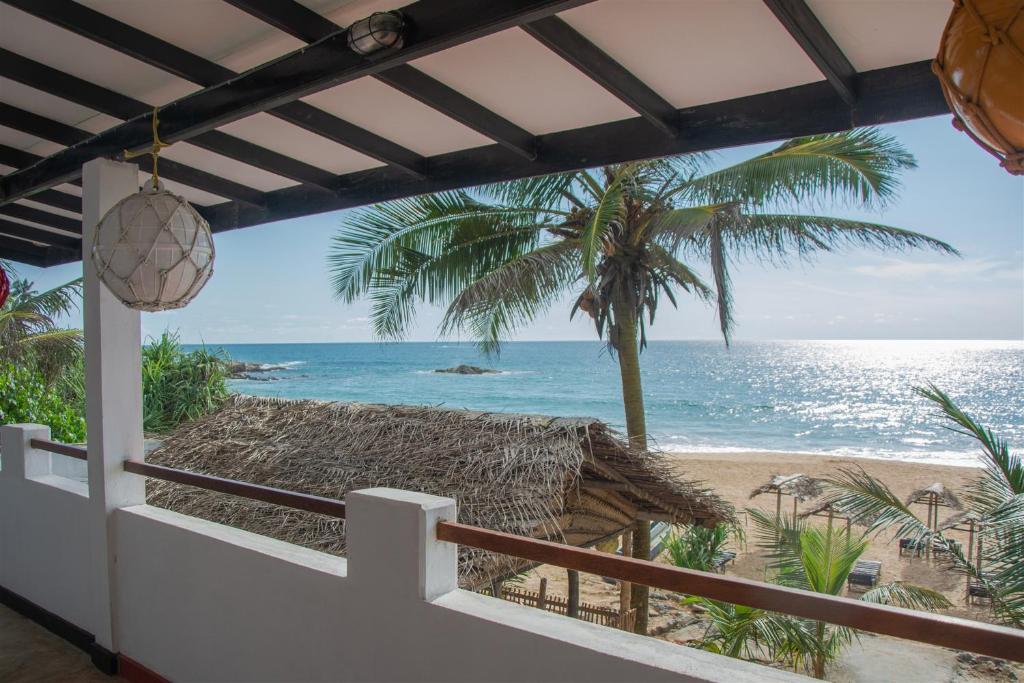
[605, 616]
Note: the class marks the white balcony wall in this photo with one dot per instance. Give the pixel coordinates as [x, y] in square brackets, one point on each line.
[196, 601]
[44, 532]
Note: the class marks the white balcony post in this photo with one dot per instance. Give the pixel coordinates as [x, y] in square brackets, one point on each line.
[113, 386]
[20, 460]
[391, 543]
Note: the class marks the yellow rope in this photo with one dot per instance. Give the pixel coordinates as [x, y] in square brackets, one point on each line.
[154, 151]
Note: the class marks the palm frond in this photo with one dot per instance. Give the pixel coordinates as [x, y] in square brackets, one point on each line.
[610, 210]
[774, 237]
[513, 293]
[859, 165]
[378, 238]
[1004, 471]
[869, 501]
[723, 284]
[906, 595]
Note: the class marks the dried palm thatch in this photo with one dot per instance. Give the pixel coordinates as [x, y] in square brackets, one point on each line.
[961, 519]
[936, 494]
[569, 480]
[800, 486]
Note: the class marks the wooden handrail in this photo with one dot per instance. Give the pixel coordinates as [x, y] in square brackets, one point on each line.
[267, 494]
[67, 449]
[935, 629]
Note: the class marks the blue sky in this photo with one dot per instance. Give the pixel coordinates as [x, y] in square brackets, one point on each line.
[271, 282]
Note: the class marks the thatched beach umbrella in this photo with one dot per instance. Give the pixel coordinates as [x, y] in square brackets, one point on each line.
[972, 523]
[567, 480]
[935, 496]
[829, 510]
[800, 486]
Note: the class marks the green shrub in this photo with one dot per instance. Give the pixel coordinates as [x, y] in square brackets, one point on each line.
[696, 547]
[25, 397]
[179, 386]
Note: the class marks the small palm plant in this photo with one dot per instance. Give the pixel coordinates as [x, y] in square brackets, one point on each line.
[995, 499]
[29, 329]
[809, 558]
[618, 241]
[695, 547]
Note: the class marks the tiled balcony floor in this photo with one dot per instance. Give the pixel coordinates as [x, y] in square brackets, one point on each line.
[31, 654]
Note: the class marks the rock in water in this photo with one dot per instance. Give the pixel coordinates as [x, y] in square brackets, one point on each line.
[467, 370]
[242, 370]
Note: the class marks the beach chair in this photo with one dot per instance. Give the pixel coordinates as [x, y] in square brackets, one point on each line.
[912, 545]
[865, 574]
[977, 591]
[723, 558]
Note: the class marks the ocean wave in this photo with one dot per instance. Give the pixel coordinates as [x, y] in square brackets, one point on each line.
[287, 365]
[953, 458]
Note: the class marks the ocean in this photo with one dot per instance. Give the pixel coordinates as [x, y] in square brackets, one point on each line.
[852, 398]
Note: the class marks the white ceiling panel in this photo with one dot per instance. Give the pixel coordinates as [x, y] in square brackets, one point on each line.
[878, 33]
[212, 29]
[697, 51]
[190, 193]
[515, 76]
[15, 138]
[381, 109]
[44, 104]
[222, 166]
[78, 56]
[283, 137]
[49, 209]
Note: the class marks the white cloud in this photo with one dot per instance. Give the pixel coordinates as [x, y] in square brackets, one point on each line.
[899, 269]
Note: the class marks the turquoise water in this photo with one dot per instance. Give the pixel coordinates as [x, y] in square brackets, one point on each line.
[850, 398]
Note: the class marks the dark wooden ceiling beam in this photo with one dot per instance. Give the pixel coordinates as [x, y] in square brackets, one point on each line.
[13, 249]
[69, 136]
[58, 200]
[303, 23]
[19, 158]
[173, 59]
[818, 44]
[436, 25]
[599, 66]
[887, 95]
[27, 232]
[50, 220]
[74, 89]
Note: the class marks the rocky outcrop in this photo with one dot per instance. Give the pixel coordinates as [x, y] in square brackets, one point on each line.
[467, 370]
[241, 370]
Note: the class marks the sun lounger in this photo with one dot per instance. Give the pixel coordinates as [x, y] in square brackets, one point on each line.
[917, 546]
[865, 573]
[723, 558]
[977, 590]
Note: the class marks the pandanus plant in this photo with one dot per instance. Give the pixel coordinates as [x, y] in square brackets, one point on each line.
[618, 241]
[811, 558]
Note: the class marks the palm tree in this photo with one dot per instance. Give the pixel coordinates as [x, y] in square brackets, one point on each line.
[618, 240]
[29, 331]
[995, 500]
[809, 558]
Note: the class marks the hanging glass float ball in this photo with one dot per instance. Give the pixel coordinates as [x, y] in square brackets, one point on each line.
[981, 68]
[153, 250]
[5, 287]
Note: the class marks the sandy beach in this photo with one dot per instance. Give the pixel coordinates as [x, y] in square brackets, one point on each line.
[733, 476]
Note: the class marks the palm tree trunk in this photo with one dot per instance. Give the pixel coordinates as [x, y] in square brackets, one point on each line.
[627, 344]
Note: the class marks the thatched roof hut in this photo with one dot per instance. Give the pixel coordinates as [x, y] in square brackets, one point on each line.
[570, 480]
[800, 486]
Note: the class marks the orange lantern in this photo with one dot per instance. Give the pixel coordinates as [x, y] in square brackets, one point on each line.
[981, 67]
